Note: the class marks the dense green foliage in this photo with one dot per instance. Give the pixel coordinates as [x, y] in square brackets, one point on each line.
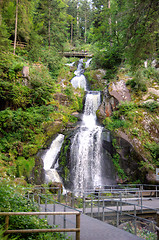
[12, 200]
[36, 107]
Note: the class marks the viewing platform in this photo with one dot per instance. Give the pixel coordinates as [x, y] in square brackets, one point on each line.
[81, 54]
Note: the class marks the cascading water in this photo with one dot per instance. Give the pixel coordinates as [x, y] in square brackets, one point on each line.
[79, 81]
[86, 148]
[87, 158]
[50, 160]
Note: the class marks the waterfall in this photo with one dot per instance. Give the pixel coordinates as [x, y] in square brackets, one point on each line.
[91, 165]
[79, 81]
[88, 63]
[86, 154]
[50, 160]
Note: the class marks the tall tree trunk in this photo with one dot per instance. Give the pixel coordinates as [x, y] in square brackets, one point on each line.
[77, 19]
[85, 39]
[49, 30]
[71, 30]
[110, 23]
[16, 23]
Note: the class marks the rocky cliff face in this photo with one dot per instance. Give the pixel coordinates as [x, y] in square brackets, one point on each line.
[113, 94]
[129, 142]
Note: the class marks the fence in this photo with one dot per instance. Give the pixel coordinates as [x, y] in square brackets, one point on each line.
[77, 229]
[99, 203]
[112, 209]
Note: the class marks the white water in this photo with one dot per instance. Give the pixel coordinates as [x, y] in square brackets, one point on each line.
[49, 160]
[88, 63]
[86, 154]
[79, 81]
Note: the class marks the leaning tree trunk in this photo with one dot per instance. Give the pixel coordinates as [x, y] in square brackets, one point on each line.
[16, 23]
[85, 39]
[77, 19]
[71, 30]
[110, 23]
[49, 29]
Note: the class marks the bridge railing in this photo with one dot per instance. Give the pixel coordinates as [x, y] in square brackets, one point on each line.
[8, 214]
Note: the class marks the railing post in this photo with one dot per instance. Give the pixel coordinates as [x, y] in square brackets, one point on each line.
[59, 194]
[72, 200]
[117, 214]
[135, 219]
[54, 215]
[45, 207]
[156, 191]
[91, 206]
[103, 209]
[84, 207]
[64, 220]
[157, 226]
[78, 226]
[39, 201]
[120, 203]
[98, 202]
[6, 222]
[141, 201]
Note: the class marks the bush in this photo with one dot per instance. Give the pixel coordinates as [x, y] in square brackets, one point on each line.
[138, 83]
[152, 106]
[154, 150]
[12, 200]
[107, 58]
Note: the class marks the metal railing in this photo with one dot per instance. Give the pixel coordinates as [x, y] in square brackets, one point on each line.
[77, 229]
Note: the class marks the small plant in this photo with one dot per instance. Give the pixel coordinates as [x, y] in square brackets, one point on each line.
[152, 106]
[138, 83]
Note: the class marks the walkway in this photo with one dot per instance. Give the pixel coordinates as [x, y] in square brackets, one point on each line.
[76, 54]
[91, 229]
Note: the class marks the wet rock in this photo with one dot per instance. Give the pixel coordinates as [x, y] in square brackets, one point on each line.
[54, 187]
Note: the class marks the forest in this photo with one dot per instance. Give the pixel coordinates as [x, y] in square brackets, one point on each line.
[123, 38]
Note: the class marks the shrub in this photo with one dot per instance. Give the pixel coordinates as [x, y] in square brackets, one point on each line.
[12, 200]
[138, 83]
[152, 106]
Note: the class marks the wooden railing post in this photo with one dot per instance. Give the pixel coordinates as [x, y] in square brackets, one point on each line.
[78, 226]
[6, 222]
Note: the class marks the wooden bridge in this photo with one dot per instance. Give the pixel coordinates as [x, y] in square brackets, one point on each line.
[81, 54]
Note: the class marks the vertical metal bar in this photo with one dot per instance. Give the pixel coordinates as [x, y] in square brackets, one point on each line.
[98, 202]
[66, 198]
[54, 215]
[157, 225]
[103, 211]
[84, 207]
[141, 201]
[117, 214]
[72, 200]
[156, 191]
[64, 220]
[120, 203]
[45, 207]
[78, 226]
[91, 206]
[135, 219]
[59, 194]
[39, 201]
